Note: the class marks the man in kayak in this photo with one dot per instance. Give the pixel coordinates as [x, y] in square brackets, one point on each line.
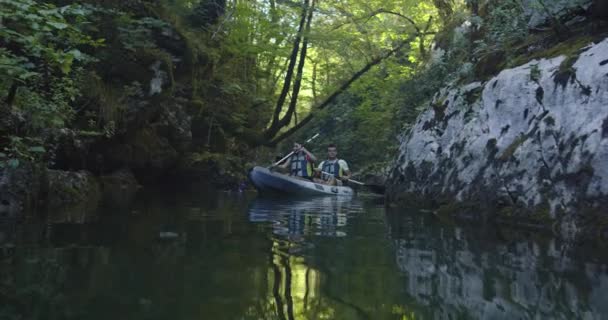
[333, 170]
[300, 164]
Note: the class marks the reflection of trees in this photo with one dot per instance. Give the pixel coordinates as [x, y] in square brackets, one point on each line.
[276, 288]
[123, 268]
[341, 278]
[295, 286]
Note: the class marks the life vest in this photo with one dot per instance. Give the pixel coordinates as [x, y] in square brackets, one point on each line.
[332, 168]
[300, 166]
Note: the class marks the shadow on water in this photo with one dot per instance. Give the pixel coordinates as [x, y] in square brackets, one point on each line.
[207, 255]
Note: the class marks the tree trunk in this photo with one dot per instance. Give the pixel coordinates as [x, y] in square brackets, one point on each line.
[298, 82]
[274, 126]
[334, 95]
[314, 83]
[12, 92]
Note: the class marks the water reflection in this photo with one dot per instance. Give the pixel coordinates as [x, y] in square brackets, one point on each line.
[496, 274]
[293, 217]
[327, 261]
[232, 256]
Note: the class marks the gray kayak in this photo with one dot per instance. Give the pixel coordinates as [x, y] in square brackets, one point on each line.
[273, 182]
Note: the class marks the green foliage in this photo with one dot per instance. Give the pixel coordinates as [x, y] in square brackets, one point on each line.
[227, 61]
[41, 59]
[39, 39]
[21, 149]
[505, 25]
[535, 73]
[221, 165]
[138, 34]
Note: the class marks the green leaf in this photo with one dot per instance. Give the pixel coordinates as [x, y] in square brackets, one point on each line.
[66, 65]
[2, 155]
[39, 149]
[57, 25]
[76, 54]
[13, 163]
[57, 121]
[27, 75]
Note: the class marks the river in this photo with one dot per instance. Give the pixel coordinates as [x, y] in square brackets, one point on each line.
[203, 254]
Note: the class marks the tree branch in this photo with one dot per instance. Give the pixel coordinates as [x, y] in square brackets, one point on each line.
[335, 94]
[381, 10]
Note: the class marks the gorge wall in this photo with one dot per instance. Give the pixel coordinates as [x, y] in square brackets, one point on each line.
[528, 145]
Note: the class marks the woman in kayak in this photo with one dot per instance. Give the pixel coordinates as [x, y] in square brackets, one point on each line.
[300, 164]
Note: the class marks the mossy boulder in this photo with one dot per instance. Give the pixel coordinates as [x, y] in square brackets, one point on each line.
[68, 188]
[119, 188]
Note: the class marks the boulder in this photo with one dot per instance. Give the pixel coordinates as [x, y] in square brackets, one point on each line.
[119, 188]
[67, 188]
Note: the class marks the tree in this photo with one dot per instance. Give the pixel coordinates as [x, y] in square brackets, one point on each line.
[40, 63]
[359, 25]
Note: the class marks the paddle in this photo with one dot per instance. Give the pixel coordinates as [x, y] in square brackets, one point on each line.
[289, 155]
[379, 189]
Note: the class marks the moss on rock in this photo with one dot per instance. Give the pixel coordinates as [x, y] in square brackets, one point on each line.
[69, 188]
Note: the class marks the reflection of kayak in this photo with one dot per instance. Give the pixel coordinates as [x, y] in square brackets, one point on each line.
[267, 181]
[299, 216]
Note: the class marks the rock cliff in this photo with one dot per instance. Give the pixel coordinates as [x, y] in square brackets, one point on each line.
[533, 137]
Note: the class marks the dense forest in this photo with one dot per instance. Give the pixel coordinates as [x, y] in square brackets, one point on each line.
[174, 89]
[491, 112]
[237, 75]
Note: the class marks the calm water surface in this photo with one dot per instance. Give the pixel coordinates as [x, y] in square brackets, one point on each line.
[210, 255]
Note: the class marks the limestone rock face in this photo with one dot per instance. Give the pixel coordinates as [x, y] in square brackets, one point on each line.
[561, 9]
[535, 136]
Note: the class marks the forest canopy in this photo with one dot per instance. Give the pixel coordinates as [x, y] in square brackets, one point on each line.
[211, 80]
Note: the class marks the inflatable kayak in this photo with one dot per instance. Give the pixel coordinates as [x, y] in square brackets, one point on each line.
[267, 181]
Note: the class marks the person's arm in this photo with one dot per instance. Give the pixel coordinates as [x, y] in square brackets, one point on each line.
[309, 154]
[318, 170]
[283, 166]
[345, 170]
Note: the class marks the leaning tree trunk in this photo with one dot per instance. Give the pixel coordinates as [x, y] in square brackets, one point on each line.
[275, 125]
[334, 95]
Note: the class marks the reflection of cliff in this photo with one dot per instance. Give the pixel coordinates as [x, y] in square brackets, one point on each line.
[325, 216]
[479, 278]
